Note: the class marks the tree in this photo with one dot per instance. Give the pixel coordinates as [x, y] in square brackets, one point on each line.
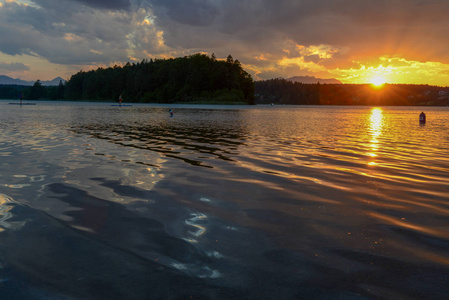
[37, 91]
[61, 90]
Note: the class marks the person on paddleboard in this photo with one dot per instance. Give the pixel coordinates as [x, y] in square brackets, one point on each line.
[120, 99]
[422, 118]
[21, 97]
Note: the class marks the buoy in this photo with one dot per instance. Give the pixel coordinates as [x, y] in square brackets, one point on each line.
[422, 118]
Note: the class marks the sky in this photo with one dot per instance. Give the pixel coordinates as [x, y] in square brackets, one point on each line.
[354, 41]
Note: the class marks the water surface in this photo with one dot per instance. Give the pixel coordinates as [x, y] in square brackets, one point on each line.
[238, 202]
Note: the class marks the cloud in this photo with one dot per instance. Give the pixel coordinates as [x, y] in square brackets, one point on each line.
[360, 27]
[65, 34]
[313, 36]
[97, 4]
[312, 58]
[108, 4]
[188, 12]
[14, 66]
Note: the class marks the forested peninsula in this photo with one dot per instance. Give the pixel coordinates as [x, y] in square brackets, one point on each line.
[196, 78]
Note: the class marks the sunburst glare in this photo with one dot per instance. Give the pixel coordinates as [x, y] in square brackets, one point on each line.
[378, 81]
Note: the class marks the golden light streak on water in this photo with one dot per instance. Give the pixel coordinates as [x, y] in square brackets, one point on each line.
[408, 225]
[4, 210]
[376, 125]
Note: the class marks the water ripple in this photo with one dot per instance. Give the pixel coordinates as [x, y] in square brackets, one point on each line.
[270, 202]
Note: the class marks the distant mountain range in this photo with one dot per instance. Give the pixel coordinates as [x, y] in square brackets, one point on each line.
[8, 80]
[313, 79]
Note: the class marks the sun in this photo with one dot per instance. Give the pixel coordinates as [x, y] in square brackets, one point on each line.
[377, 81]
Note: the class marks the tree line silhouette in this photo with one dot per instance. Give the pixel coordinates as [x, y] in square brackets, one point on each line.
[282, 91]
[35, 92]
[202, 79]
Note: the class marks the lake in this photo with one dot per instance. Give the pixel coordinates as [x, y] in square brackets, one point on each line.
[223, 202]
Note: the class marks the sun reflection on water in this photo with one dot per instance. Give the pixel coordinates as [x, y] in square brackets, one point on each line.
[376, 124]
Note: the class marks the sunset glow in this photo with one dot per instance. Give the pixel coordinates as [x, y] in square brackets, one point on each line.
[395, 70]
[57, 41]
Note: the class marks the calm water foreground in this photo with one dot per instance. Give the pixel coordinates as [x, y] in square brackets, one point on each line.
[265, 202]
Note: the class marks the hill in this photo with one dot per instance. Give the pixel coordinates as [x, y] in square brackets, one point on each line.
[5, 80]
[196, 78]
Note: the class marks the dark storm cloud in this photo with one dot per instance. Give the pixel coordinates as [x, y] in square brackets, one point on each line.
[412, 28]
[64, 32]
[259, 33]
[106, 4]
[189, 12]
